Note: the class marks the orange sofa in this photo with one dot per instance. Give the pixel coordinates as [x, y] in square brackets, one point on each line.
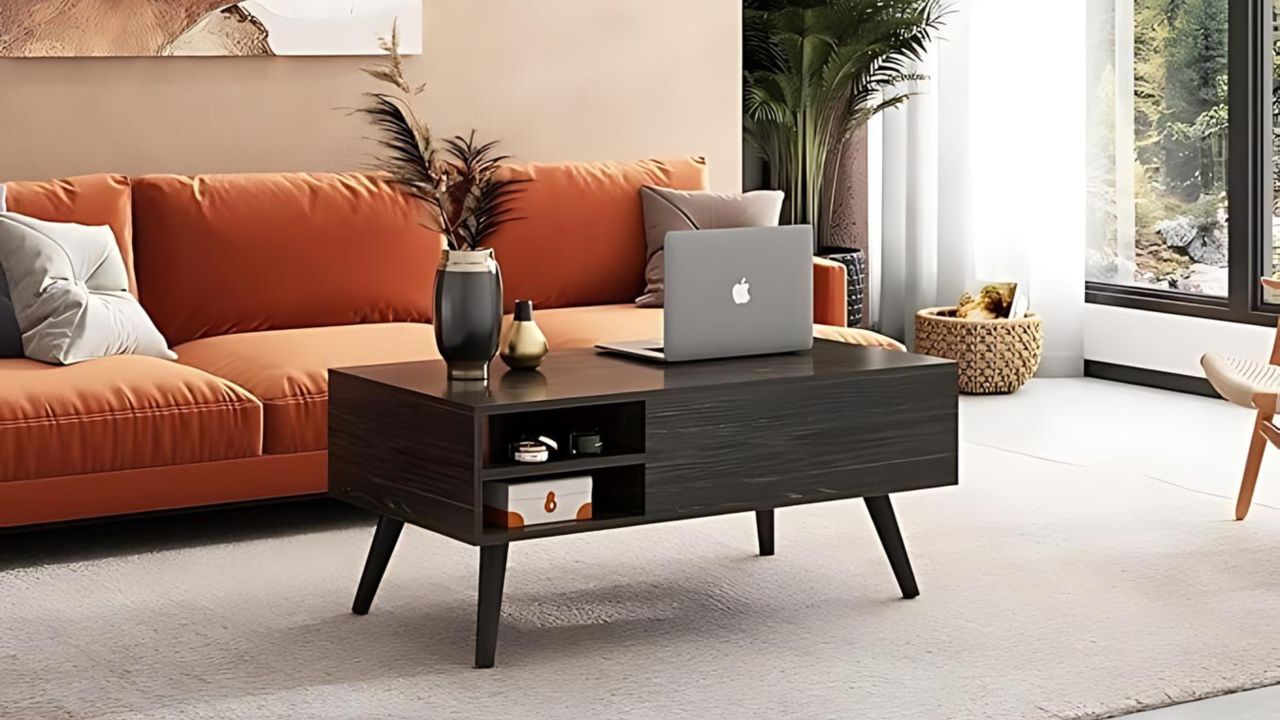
[261, 283]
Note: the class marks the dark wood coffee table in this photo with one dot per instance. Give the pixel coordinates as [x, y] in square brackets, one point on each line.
[681, 441]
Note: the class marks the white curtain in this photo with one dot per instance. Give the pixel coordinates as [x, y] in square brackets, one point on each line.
[982, 172]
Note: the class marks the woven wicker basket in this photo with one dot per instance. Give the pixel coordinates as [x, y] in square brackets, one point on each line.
[995, 356]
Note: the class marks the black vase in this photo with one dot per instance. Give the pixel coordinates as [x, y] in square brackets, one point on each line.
[468, 312]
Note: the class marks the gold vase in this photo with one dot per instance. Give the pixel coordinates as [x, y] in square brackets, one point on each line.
[523, 345]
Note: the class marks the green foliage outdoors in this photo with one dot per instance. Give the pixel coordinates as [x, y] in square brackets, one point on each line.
[1180, 118]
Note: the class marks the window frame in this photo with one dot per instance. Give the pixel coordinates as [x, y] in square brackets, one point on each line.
[1250, 36]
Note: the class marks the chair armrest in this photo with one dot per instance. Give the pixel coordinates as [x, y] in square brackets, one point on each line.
[1268, 403]
[830, 293]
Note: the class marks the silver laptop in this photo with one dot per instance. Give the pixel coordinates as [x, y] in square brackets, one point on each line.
[731, 293]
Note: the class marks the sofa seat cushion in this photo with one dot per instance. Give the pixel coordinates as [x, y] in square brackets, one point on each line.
[587, 326]
[119, 413]
[288, 370]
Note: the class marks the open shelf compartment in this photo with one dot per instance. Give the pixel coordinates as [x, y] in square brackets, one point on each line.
[621, 428]
[617, 498]
[618, 474]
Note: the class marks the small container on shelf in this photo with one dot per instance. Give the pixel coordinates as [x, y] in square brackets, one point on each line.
[586, 443]
[518, 504]
[534, 450]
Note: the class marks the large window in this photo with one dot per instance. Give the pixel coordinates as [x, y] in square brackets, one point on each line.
[1158, 187]
[1184, 146]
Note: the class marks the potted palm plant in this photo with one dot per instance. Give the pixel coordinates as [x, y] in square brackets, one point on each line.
[467, 199]
[816, 71]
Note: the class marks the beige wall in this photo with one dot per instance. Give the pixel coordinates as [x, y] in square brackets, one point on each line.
[555, 79]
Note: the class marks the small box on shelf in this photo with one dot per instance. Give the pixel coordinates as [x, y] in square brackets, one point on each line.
[520, 504]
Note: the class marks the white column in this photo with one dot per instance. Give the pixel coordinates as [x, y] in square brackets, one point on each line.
[1028, 91]
[891, 279]
[921, 206]
[956, 160]
[875, 218]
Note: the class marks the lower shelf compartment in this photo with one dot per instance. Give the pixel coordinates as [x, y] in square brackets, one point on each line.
[617, 493]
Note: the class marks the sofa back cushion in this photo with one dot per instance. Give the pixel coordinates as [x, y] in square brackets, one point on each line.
[581, 238]
[86, 200]
[221, 254]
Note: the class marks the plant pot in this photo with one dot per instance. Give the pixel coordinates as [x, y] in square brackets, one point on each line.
[468, 312]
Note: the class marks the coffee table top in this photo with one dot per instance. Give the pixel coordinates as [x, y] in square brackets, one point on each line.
[569, 376]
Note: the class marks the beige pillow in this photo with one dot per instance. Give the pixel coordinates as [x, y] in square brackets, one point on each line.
[675, 210]
[70, 292]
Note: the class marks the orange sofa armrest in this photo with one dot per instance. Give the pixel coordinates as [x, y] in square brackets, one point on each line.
[830, 293]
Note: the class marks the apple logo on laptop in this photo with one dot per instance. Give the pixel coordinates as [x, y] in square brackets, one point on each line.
[742, 292]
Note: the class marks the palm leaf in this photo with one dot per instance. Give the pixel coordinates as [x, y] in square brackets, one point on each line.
[816, 71]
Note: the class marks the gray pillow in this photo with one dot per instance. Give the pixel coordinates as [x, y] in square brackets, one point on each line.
[668, 210]
[70, 292]
[10, 336]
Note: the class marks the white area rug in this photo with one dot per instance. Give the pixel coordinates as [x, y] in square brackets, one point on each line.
[1049, 591]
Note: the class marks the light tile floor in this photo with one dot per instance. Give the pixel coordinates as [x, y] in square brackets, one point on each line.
[1194, 443]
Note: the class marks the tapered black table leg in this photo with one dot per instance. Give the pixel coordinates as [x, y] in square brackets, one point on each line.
[384, 541]
[891, 538]
[493, 573]
[764, 531]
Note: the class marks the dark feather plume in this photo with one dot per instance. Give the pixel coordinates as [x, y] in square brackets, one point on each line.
[461, 182]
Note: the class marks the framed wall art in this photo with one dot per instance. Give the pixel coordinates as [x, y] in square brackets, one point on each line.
[130, 28]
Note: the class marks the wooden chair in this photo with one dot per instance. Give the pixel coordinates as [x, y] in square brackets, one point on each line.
[1255, 385]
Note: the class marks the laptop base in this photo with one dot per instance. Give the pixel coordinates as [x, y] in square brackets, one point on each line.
[650, 350]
